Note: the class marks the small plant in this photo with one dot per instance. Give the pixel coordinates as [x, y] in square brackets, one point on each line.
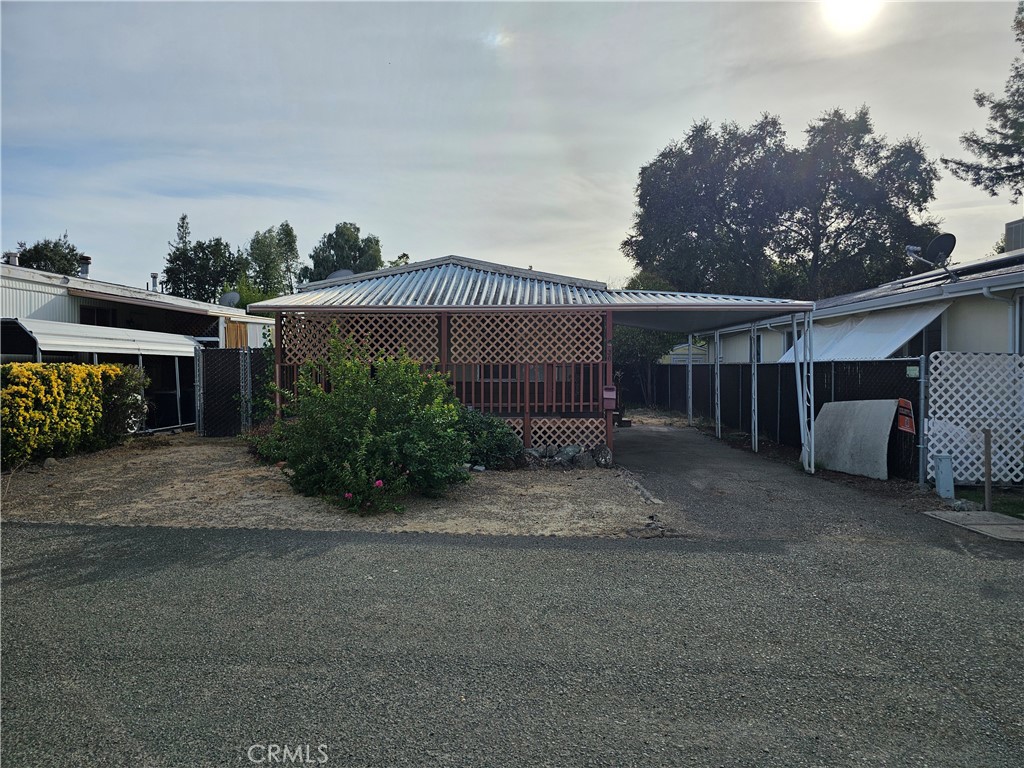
[492, 442]
[376, 432]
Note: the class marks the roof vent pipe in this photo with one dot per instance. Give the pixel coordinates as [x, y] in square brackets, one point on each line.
[83, 265]
[12, 259]
[153, 276]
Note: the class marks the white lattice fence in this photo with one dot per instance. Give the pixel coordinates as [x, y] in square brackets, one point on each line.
[969, 391]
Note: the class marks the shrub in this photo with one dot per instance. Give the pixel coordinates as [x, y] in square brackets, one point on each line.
[54, 409]
[492, 442]
[373, 434]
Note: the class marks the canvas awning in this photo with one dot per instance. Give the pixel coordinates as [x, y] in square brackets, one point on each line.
[72, 337]
[870, 337]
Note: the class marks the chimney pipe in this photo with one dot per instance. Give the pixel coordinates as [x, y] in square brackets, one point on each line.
[12, 259]
[153, 276]
[83, 265]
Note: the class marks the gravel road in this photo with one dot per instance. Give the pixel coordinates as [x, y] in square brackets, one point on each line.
[849, 631]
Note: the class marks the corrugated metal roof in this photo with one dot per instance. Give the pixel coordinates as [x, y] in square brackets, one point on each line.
[456, 282]
[72, 337]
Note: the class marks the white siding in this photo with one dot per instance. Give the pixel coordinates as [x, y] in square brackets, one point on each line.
[22, 298]
[977, 324]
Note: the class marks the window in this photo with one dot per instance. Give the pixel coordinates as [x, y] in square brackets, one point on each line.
[104, 316]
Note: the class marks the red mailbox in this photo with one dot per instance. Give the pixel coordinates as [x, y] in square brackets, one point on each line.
[610, 398]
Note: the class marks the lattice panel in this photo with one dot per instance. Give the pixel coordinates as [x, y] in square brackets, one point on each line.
[305, 337]
[586, 432]
[517, 426]
[968, 392]
[534, 337]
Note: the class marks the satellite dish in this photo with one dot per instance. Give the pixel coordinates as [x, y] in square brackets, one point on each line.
[938, 251]
[230, 299]
[340, 273]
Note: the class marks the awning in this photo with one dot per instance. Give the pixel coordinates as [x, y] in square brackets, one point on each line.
[870, 337]
[72, 337]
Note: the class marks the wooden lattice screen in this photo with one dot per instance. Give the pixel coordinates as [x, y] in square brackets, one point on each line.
[534, 337]
[305, 337]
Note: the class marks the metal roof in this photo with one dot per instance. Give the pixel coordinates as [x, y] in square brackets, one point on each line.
[72, 337]
[454, 282]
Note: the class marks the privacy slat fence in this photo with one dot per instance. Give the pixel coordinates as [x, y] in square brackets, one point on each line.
[777, 400]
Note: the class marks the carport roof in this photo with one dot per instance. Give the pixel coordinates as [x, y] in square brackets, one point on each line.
[461, 284]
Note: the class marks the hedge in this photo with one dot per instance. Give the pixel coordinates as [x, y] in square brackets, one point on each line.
[55, 409]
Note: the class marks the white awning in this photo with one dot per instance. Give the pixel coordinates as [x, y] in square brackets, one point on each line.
[72, 337]
[870, 337]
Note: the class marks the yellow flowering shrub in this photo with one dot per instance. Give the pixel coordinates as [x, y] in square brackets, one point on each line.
[49, 409]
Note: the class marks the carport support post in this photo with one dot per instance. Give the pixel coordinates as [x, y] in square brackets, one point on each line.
[753, 387]
[177, 386]
[689, 380]
[718, 390]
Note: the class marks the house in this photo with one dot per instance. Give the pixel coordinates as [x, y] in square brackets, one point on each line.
[975, 307]
[48, 317]
[530, 347]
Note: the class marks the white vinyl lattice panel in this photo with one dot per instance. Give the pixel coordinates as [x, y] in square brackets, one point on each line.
[969, 391]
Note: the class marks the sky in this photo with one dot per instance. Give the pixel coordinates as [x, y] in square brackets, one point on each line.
[507, 132]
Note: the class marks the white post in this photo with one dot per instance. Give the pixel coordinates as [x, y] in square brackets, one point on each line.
[809, 387]
[753, 387]
[689, 381]
[799, 374]
[718, 388]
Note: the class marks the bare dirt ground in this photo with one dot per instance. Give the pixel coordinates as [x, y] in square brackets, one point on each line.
[187, 481]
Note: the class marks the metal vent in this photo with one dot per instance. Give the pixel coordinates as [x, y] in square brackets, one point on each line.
[1015, 235]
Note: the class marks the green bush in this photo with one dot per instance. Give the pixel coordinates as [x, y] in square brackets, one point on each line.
[373, 434]
[55, 409]
[492, 442]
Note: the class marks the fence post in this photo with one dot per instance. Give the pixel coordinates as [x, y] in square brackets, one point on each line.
[753, 387]
[922, 435]
[200, 387]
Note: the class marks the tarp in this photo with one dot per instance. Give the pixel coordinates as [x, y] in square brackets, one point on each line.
[72, 337]
[870, 337]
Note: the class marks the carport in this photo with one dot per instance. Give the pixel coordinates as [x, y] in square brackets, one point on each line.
[531, 347]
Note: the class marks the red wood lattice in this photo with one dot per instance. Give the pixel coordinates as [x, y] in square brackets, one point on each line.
[305, 337]
[530, 337]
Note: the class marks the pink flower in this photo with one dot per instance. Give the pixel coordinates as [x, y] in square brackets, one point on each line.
[348, 495]
[378, 483]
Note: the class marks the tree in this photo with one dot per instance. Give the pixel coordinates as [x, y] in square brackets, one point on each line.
[739, 211]
[342, 249]
[707, 207]
[1000, 152]
[200, 270]
[854, 202]
[401, 260]
[59, 256]
[272, 258]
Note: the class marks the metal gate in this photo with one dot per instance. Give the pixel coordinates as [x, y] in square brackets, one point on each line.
[229, 386]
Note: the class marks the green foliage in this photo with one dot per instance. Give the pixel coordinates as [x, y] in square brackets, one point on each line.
[55, 409]
[492, 442]
[374, 433]
[59, 256]
[342, 249]
[1000, 152]
[739, 211]
[200, 270]
[272, 257]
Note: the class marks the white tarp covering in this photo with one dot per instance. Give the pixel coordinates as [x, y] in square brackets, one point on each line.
[72, 337]
[869, 337]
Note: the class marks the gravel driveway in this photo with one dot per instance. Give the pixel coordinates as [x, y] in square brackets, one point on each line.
[818, 626]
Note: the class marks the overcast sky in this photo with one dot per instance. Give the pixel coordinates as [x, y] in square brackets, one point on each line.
[505, 132]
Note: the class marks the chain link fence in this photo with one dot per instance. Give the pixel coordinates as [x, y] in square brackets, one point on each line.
[231, 389]
[777, 407]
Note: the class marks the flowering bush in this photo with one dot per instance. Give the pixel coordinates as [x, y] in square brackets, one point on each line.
[54, 409]
[374, 433]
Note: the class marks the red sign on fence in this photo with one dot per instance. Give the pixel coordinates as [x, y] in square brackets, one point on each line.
[905, 416]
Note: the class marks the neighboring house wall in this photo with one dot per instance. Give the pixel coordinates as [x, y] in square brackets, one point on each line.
[24, 298]
[977, 324]
[736, 346]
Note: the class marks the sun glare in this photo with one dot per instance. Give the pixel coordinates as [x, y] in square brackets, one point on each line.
[848, 17]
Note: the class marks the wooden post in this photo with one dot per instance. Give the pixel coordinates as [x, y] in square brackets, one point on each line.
[278, 357]
[608, 379]
[988, 468]
[443, 357]
[527, 437]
